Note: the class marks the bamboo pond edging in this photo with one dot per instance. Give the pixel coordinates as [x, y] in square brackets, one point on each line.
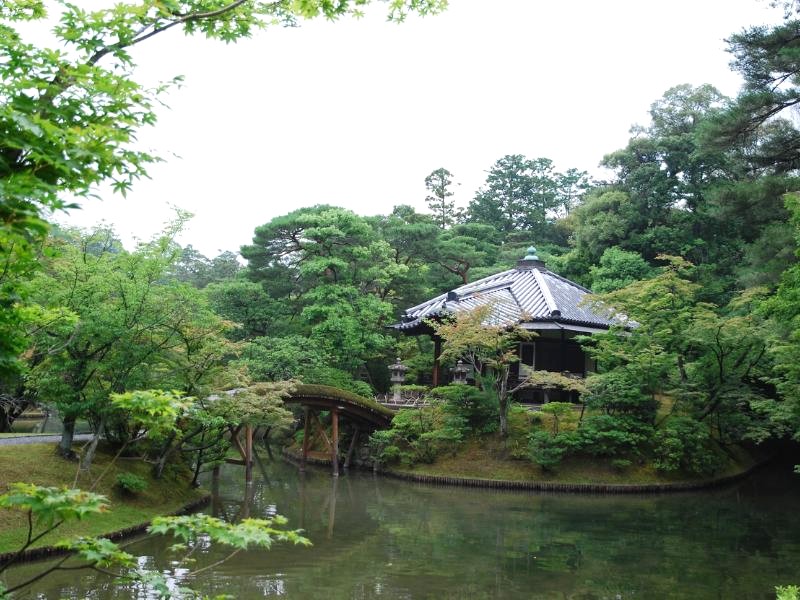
[554, 486]
[574, 488]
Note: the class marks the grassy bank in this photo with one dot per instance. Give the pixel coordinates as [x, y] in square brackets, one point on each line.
[37, 463]
[488, 458]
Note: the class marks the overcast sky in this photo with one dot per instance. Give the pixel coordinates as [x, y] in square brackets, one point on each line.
[357, 113]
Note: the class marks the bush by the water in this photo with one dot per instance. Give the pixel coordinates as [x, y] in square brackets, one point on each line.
[612, 436]
[130, 483]
[619, 431]
[478, 409]
[547, 450]
[684, 444]
[418, 435]
[681, 444]
[619, 393]
[787, 592]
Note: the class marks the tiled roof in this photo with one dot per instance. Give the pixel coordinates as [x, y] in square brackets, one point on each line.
[525, 294]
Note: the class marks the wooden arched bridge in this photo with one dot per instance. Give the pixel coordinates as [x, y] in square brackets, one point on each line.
[365, 414]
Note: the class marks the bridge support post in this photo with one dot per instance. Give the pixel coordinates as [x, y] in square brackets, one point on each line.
[248, 450]
[335, 442]
[332, 508]
[306, 431]
[353, 443]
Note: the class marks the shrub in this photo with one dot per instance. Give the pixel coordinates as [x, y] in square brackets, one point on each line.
[604, 435]
[130, 483]
[620, 464]
[418, 435]
[520, 421]
[547, 450]
[478, 409]
[560, 412]
[337, 378]
[787, 592]
[618, 393]
[685, 444]
[298, 436]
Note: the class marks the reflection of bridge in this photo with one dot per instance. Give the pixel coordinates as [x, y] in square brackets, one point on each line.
[366, 415]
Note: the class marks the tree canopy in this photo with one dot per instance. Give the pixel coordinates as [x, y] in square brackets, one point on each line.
[694, 237]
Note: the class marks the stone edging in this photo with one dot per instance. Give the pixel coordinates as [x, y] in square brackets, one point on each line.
[50, 551]
[549, 486]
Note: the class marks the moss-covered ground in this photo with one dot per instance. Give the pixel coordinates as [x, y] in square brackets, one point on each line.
[38, 464]
[492, 458]
[489, 458]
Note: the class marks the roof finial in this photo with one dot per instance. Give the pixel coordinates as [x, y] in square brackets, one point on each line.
[531, 260]
[531, 254]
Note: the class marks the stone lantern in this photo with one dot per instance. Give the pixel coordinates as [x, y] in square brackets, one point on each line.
[398, 371]
[460, 372]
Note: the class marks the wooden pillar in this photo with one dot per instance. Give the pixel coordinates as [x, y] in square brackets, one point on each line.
[306, 431]
[237, 442]
[216, 505]
[302, 491]
[332, 508]
[335, 442]
[247, 501]
[248, 450]
[350, 450]
[437, 352]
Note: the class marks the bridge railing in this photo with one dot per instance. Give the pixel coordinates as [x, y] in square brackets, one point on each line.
[403, 399]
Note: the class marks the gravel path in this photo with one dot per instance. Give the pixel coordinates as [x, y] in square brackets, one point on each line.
[41, 439]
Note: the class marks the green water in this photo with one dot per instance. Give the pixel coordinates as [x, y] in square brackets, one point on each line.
[49, 425]
[381, 538]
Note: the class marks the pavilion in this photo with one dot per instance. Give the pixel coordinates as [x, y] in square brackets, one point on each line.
[532, 297]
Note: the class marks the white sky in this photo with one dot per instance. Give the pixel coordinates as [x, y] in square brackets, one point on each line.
[357, 113]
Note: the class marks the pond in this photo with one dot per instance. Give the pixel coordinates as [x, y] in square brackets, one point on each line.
[381, 538]
[48, 424]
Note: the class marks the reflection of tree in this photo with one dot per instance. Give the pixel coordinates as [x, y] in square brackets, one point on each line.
[393, 539]
[636, 547]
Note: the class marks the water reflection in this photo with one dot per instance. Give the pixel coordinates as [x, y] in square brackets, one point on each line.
[378, 538]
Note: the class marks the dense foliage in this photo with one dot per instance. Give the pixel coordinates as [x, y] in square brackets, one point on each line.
[169, 354]
[694, 238]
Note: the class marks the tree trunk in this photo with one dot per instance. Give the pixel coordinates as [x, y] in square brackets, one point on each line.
[199, 462]
[682, 369]
[86, 461]
[502, 400]
[5, 421]
[158, 471]
[64, 448]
